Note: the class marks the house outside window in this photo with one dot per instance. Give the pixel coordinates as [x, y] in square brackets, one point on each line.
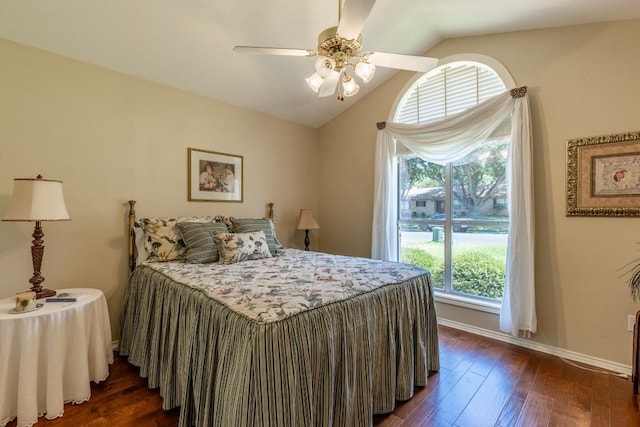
[458, 224]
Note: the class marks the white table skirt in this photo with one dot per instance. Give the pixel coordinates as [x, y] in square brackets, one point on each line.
[49, 356]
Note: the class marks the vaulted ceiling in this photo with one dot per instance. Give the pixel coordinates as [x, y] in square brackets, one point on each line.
[188, 44]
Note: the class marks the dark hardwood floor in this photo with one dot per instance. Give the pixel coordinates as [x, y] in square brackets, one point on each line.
[481, 383]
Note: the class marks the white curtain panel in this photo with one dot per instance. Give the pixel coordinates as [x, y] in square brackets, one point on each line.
[453, 139]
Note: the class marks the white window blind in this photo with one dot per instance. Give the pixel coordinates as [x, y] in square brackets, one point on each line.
[448, 90]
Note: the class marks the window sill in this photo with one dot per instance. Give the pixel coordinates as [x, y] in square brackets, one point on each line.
[467, 302]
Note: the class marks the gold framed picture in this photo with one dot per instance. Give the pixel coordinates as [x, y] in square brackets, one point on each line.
[214, 177]
[603, 175]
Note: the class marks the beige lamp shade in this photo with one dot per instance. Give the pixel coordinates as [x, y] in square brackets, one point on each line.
[306, 221]
[37, 199]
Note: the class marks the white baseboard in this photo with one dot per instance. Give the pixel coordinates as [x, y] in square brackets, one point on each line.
[115, 345]
[555, 351]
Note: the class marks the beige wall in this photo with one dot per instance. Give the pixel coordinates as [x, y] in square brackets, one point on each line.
[583, 81]
[111, 138]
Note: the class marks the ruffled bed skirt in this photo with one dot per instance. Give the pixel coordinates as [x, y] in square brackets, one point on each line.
[333, 365]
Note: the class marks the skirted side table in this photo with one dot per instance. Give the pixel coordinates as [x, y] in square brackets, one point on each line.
[49, 356]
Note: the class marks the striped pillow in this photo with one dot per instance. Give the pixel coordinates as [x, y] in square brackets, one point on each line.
[198, 238]
[266, 225]
[162, 240]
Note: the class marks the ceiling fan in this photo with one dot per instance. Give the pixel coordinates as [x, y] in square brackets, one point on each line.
[339, 48]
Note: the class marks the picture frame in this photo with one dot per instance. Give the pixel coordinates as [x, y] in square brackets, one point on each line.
[214, 176]
[603, 175]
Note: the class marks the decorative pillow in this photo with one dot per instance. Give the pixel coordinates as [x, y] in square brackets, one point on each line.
[198, 237]
[237, 247]
[266, 225]
[141, 251]
[226, 220]
[273, 223]
[162, 240]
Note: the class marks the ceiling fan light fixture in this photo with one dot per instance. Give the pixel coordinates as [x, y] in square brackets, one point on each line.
[365, 71]
[325, 65]
[315, 81]
[349, 86]
[339, 48]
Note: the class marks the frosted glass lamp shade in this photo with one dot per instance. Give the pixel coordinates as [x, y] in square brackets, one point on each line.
[365, 71]
[349, 86]
[314, 82]
[324, 66]
[37, 200]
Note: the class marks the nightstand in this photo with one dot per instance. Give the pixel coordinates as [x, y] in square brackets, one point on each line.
[49, 356]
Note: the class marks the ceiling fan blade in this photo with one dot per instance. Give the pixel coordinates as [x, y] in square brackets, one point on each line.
[328, 88]
[255, 50]
[354, 14]
[402, 62]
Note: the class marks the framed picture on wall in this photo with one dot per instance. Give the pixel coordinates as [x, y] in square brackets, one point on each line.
[603, 175]
[213, 176]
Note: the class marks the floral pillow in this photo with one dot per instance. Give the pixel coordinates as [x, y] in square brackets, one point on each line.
[141, 251]
[162, 240]
[237, 247]
[226, 220]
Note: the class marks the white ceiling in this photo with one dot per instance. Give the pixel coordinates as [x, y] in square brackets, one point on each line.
[188, 44]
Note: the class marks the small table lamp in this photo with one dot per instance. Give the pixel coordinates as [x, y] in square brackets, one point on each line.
[306, 223]
[37, 200]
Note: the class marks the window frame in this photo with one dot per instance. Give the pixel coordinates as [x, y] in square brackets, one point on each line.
[448, 295]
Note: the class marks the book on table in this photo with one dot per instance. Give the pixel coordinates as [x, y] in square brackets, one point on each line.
[65, 297]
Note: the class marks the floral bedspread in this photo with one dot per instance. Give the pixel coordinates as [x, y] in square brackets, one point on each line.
[271, 289]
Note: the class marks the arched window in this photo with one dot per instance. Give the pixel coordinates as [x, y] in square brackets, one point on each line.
[453, 217]
[459, 227]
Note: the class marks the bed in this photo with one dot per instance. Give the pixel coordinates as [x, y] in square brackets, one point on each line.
[297, 338]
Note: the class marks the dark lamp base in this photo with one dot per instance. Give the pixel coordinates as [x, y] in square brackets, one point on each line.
[306, 240]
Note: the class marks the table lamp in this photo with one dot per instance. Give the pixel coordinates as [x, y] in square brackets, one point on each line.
[37, 200]
[306, 223]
